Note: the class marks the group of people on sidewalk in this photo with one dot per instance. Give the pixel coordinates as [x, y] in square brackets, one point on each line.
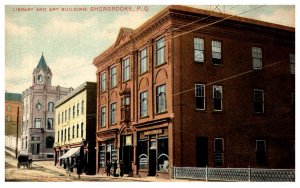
[77, 164]
[117, 168]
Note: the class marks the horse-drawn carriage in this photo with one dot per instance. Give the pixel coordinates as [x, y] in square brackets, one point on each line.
[24, 160]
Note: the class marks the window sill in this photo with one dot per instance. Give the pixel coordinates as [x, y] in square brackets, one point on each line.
[218, 65]
[123, 82]
[159, 113]
[200, 110]
[157, 66]
[199, 62]
[113, 87]
[259, 113]
[144, 117]
[218, 112]
[141, 74]
[113, 124]
[102, 92]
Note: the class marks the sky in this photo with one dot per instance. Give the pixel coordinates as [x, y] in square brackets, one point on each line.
[70, 40]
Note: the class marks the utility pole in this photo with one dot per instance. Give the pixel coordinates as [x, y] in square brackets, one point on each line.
[17, 137]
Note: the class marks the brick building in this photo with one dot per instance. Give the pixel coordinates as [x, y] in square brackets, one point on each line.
[75, 120]
[38, 113]
[212, 93]
[13, 107]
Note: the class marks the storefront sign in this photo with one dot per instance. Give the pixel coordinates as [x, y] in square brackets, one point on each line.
[157, 131]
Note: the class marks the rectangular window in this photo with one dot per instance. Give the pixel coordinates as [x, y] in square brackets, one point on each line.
[62, 117]
[68, 133]
[113, 113]
[143, 60]
[81, 128]
[160, 51]
[57, 136]
[292, 63]
[103, 116]
[113, 77]
[65, 115]
[257, 58]
[65, 134]
[125, 108]
[58, 118]
[73, 132]
[217, 95]
[161, 99]
[50, 124]
[163, 153]
[77, 109]
[258, 101]
[77, 131]
[198, 50]
[62, 135]
[37, 123]
[144, 104]
[142, 150]
[219, 151]
[69, 113]
[82, 107]
[126, 69]
[216, 52]
[73, 111]
[200, 96]
[103, 82]
[261, 152]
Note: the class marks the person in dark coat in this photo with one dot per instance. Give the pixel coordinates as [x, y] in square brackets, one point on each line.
[121, 169]
[79, 167]
[108, 166]
[115, 165]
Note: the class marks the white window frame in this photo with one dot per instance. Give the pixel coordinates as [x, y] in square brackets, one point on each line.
[35, 122]
[263, 99]
[202, 94]
[257, 57]
[143, 60]
[160, 48]
[158, 95]
[126, 69]
[113, 76]
[199, 48]
[103, 82]
[218, 87]
[216, 50]
[144, 104]
[103, 116]
[113, 113]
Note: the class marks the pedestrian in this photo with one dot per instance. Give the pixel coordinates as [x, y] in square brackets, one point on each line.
[79, 167]
[121, 168]
[115, 165]
[108, 166]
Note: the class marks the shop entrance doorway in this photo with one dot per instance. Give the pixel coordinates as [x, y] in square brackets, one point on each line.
[152, 162]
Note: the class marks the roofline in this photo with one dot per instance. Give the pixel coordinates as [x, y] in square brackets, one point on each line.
[75, 92]
[187, 9]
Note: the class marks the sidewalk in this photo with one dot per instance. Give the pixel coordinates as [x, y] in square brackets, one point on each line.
[50, 166]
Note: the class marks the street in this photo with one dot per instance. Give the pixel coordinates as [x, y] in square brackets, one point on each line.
[38, 173]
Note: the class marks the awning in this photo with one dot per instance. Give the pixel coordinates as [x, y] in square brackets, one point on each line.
[71, 153]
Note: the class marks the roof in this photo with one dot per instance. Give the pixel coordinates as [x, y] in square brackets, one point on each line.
[127, 34]
[13, 96]
[75, 92]
[42, 63]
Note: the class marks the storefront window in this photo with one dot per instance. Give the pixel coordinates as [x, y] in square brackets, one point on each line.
[162, 155]
[142, 154]
[101, 156]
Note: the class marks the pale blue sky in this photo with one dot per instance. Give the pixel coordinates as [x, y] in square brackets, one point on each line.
[73, 39]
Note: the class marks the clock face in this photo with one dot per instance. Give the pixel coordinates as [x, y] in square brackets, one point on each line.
[40, 78]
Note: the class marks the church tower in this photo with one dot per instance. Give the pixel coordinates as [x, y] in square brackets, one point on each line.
[42, 73]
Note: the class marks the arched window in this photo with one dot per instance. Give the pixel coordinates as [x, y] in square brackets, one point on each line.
[50, 106]
[49, 142]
